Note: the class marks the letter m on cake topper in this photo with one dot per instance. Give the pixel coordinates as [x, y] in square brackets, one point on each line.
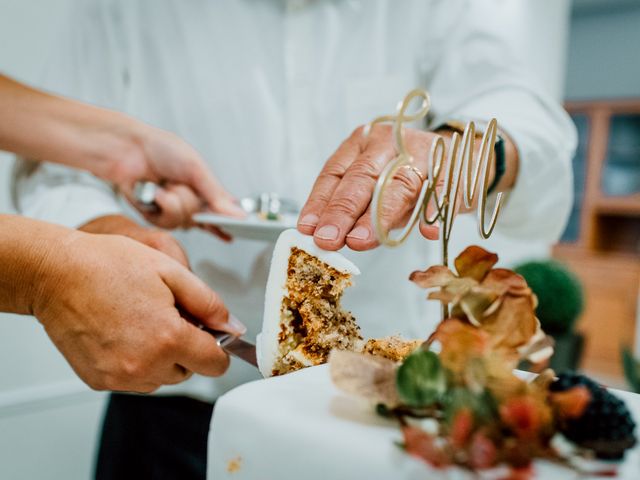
[454, 177]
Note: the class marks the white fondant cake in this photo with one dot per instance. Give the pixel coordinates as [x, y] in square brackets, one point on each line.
[299, 426]
[316, 263]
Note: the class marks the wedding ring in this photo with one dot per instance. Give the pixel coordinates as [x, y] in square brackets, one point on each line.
[415, 170]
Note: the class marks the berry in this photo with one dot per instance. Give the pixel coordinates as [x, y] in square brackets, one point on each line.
[606, 426]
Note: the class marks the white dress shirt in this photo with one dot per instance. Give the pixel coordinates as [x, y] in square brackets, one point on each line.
[267, 89]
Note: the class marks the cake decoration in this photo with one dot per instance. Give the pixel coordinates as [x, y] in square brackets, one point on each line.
[485, 415]
[456, 398]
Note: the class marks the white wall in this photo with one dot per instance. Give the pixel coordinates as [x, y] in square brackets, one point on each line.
[543, 44]
[48, 418]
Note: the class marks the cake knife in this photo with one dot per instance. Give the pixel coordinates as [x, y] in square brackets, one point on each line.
[234, 345]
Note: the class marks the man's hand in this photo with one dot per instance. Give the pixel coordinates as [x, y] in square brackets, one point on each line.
[338, 210]
[112, 307]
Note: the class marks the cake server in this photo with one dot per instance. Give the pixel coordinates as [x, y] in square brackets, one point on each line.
[234, 345]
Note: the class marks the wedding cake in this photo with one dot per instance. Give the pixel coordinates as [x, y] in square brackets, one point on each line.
[391, 409]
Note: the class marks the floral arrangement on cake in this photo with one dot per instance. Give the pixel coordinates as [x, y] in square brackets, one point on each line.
[457, 399]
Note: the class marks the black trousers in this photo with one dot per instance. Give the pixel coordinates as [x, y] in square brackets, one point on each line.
[154, 437]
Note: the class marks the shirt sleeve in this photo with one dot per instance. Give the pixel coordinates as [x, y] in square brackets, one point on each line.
[478, 76]
[87, 63]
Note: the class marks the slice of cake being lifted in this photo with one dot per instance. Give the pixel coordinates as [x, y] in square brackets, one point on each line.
[303, 319]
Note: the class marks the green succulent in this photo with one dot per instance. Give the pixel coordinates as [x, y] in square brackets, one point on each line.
[559, 292]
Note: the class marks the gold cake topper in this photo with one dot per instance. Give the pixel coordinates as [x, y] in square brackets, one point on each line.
[438, 200]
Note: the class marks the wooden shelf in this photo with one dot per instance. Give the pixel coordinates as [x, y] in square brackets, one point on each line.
[605, 255]
[628, 206]
[611, 282]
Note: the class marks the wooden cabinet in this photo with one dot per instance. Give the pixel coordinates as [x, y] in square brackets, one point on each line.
[611, 283]
[602, 241]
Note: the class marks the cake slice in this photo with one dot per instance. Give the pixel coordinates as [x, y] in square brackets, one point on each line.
[303, 319]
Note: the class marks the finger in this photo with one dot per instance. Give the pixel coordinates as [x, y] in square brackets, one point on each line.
[200, 302]
[431, 232]
[215, 196]
[188, 202]
[217, 231]
[165, 242]
[175, 374]
[170, 212]
[398, 203]
[146, 387]
[200, 353]
[351, 197]
[327, 181]
[362, 237]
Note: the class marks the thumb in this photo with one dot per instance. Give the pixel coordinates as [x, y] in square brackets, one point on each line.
[201, 303]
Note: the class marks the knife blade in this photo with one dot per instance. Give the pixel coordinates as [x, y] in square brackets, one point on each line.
[235, 346]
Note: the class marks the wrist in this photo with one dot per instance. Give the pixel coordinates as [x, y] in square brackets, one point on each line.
[503, 170]
[32, 255]
[114, 145]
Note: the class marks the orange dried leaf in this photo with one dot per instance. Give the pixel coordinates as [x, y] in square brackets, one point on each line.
[475, 262]
[461, 427]
[513, 325]
[571, 403]
[524, 415]
[474, 303]
[441, 295]
[501, 280]
[482, 452]
[460, 343]
[364, 375]
[421, 445]
[435, 276]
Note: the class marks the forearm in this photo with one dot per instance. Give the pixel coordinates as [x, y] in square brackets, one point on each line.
[46, 127]
[27, 251]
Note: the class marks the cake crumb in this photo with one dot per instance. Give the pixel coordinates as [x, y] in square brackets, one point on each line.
[394, 348]
[234, 464]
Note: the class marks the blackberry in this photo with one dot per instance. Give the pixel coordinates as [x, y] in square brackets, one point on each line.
[606, 426]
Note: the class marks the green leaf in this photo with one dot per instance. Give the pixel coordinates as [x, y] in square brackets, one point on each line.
[631, 369]
[421, 379]
[482, 405]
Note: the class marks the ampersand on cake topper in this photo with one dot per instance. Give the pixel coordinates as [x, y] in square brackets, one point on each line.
[446, 167]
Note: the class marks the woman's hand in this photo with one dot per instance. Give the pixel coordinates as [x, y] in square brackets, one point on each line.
[113, 307]
[114, 147]
[338, 209]
[187, 186]
[120, 312]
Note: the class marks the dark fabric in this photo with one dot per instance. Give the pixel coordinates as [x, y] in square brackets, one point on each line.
[153, 437]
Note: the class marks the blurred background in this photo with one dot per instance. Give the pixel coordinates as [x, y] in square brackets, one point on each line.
[49, 419]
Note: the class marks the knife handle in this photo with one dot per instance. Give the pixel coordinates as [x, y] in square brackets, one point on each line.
[222, 338]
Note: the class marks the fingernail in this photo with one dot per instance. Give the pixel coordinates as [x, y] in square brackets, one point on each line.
[236, 325]
[310, 220]
[359, 233]
[328, 232]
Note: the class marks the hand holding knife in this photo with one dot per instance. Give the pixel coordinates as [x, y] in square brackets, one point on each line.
[235, 346]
